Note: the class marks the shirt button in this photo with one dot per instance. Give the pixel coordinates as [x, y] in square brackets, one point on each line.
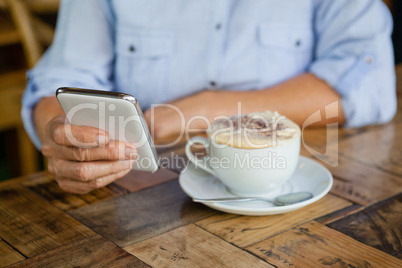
[218, 26]
[298, 43]
[212, 83]
[369, 59]
[132, 48]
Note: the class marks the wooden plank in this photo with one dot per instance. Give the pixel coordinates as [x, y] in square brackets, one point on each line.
[32, 225]
[336, 215]
[315, 245]
[190, 246]
[13, 181]
[379, 226]
[143, 214]
[246, 230]
[137, 180]
[320, 137]
[358, 182]
[91, 251]
[8, 255]
[380, 147]
[44, 185]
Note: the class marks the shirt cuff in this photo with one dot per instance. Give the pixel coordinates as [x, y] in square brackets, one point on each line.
[359, 93]
[369, 103]
[27, 120]
[30, 99]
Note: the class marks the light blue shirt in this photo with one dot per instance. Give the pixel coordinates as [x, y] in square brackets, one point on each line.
[160, 50]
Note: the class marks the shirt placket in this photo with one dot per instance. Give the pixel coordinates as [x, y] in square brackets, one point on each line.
[216, 39]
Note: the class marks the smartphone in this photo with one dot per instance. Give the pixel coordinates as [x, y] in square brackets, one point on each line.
[119, 114]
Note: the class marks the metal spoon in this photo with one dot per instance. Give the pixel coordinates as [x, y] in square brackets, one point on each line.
[281, 200]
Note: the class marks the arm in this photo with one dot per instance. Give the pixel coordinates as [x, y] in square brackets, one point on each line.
[45, 111]
[312, 94]
[69, 63]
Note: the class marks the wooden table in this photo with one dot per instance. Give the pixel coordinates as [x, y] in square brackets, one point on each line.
[147, 220]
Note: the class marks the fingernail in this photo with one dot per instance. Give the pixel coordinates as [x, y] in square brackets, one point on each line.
[131, 153]
[102, 139]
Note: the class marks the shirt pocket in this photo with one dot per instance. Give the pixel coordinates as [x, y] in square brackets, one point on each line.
[284, 51]
[142, 62]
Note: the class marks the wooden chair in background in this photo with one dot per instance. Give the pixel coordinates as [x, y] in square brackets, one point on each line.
[23, 26]
[35, 35]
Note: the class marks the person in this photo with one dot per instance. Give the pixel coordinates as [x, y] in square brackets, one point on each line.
[204, 57]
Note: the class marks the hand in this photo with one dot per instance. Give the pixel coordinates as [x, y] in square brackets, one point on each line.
[195, 112]
[82, 159]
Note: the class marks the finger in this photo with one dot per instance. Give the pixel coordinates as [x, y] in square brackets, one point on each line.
[87, 171]
[79, 136]
[106, 180]
[80, 187]
[114, 150]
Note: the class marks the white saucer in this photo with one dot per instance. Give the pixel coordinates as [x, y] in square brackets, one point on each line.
[309, 176]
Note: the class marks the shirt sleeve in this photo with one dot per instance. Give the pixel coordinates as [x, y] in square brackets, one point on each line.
[354, 55]
[81, 55]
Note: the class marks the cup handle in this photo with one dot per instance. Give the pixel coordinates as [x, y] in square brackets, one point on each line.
[201, 163]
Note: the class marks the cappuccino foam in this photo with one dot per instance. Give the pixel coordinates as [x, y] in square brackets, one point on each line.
[254, 130]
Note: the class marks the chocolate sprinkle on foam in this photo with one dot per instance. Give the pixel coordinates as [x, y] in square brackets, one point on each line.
[253, 131]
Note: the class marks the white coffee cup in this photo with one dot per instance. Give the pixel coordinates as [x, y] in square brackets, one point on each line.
[248, 172]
